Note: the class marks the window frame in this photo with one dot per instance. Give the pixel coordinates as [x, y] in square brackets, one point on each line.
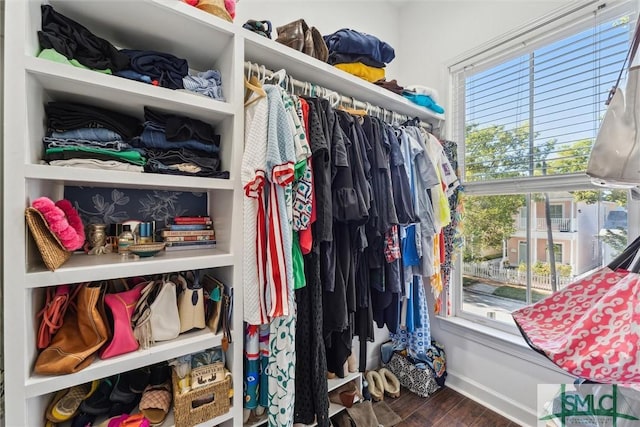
[562, 23]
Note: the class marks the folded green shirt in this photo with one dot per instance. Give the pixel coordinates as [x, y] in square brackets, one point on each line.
[133, 157]
[55, 56]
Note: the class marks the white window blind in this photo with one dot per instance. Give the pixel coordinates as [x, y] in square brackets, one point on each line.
[537, 112]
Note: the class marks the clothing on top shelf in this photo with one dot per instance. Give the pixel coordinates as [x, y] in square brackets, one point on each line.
[355, 42]
[391, 85]
[55, 56]
[360, 54]
[346, 58]
[369, 195]
[74, 41]
[166, 68]
[424, 101]
[363, 71]
[207, 83]
[134, 75]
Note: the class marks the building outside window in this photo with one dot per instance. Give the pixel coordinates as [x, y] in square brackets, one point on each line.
[528, 114]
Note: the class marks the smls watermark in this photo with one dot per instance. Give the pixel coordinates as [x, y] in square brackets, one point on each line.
[588, 405]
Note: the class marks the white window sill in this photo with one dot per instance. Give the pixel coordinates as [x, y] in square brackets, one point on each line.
[495, 339]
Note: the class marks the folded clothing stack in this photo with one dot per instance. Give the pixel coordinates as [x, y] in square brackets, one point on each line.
[77, 44]
[179, 145]
[423, 96]
[66, 41]
[360, 54]
[81, 135]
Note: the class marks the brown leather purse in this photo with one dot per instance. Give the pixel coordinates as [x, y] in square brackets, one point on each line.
[297, 35]
[82, 333]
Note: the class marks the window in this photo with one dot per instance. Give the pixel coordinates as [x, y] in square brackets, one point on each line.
[528, 111]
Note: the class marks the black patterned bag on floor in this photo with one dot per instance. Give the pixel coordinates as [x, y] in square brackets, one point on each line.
[419, 380]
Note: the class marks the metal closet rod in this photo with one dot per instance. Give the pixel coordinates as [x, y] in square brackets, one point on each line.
[336, 98]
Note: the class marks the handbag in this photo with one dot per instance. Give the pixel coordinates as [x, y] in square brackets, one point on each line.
[156, 316]
[297, 35]
[53, 312]
[82, 333]
[589, 328]
[190, 302]
[419, 381]
[119, 308]
[615, 157]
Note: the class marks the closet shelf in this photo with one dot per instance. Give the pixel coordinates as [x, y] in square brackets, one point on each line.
[70, 83]
[303, 67]
[107, 178]
[169, 422]
[163, 25]
[192, 342]
[83, 268]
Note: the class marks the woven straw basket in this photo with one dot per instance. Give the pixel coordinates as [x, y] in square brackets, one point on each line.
[186, 415]
[51, 249]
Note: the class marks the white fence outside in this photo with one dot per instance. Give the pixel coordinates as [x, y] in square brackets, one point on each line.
[512, 276]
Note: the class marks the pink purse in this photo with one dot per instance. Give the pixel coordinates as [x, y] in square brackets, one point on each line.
[119, 308]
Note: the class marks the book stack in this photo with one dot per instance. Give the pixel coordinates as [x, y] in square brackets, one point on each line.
[189, 232]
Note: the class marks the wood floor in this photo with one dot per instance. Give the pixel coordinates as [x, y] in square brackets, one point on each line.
[444, 408]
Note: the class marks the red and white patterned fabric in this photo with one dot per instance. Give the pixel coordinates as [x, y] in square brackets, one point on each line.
[591, 328]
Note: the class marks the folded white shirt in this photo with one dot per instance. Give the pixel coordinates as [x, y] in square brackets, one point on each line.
[97, 164]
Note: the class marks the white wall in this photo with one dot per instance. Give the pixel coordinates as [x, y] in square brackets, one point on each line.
[376, 18]
[434, 32]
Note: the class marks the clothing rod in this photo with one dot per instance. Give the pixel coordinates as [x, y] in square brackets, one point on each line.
[312, 89]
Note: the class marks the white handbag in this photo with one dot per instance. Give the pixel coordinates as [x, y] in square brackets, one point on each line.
[190, 302]
[615, 157]
[156, 317]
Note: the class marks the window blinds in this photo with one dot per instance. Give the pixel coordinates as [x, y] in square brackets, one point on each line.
[538, 112]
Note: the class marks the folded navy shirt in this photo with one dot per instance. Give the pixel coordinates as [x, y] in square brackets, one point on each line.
[355, 42]
[167, 69]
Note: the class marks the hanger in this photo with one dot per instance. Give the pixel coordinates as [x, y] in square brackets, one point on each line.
[277, 77]
[253, 85]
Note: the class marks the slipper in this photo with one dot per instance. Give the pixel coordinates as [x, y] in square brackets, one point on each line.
[65, 403]
[120, 408]
[376, 386]
[98, 403]
[83, 420]
[390, 382]
[156, 403]
[125, 389]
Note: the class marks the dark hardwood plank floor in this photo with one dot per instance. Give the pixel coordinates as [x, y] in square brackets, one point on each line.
[444, 408]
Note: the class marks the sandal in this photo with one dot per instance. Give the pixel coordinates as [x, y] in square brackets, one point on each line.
[376, 386]
[156, 403]
[65, 403]
[390, 382]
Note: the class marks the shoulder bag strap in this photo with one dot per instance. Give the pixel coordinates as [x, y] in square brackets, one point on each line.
[633, 48]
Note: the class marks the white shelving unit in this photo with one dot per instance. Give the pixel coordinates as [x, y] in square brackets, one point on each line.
[207, 42]
[30, 82]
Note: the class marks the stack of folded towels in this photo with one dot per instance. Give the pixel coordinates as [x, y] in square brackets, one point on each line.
[179, 145]
[360, 54]
[85, 136]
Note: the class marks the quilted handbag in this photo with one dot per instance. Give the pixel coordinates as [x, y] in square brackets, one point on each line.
[589, 328]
